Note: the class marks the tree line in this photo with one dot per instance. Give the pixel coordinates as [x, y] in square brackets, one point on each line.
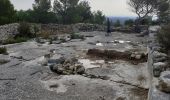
[43, 11]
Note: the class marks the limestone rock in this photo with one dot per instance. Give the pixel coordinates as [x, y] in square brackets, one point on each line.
[164, 81]
[158, 68]
[138, 57]
[157, 54]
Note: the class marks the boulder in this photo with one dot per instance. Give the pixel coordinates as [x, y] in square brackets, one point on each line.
[164, 82]
[158, 68]
[157, 54]
[138, 57]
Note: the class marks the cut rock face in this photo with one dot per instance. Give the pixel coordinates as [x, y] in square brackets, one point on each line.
[117, 55]
[164, 82]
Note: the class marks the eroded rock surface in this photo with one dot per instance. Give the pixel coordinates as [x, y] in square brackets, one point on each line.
[28, 75]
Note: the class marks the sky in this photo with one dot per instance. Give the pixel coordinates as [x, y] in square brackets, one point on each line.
[108, 7]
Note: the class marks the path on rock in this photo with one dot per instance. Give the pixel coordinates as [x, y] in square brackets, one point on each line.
[26, 77]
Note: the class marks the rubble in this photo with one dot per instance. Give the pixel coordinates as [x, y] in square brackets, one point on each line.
[67, 66]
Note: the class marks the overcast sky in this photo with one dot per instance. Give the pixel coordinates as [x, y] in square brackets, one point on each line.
[109, 7]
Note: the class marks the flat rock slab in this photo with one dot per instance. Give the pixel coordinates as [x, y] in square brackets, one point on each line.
[29, 54]
[74, 87]
[121, 71]
[37, 82]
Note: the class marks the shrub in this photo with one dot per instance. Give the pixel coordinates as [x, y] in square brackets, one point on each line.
[3, 50]
[12, 40]
[77, 36]
[25, 30]
[163, 36]
[44, 34]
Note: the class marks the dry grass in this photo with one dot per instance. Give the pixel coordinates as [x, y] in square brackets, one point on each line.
[44, 34]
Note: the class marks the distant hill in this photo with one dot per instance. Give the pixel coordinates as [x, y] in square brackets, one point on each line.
[121, 19]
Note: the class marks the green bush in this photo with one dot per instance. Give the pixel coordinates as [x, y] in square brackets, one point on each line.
[25, 30]
[164, 36]
[3, 50]
[76, 36]
[12, 40]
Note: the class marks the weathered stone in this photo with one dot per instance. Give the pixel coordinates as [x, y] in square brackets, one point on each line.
[158, 68]
[160, 59]
[138, 57]
[164, 81]
[57, 60]
[8, 30]
[56, 42]
[132, 55]
[157, 54]
[80, 69]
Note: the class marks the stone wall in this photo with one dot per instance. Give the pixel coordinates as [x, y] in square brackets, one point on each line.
[158, 67]
[8, 30]
[12, 29]
[81, 27]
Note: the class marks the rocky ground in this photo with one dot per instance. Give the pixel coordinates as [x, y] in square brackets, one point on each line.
[27, 74]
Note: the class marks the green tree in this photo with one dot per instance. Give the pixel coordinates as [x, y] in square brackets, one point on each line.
[64, 9]
[99, 17]
[163, 8]
[117, 23]
[24, 16]
[129, 22]
[42, 12]
[84, 11]
[7, 12]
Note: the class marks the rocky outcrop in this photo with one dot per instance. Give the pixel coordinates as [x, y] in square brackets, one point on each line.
[164, 82]
[158, 66]
[12, 29]
[80, 27]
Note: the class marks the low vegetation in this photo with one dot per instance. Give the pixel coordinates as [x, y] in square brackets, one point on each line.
[164, 37]
[3, 50]
[26, 30]
[76, 36]
[12, 40]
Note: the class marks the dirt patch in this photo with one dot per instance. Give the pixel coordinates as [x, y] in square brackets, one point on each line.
[116, 55]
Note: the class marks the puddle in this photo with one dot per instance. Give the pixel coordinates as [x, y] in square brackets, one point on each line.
[91, 64]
